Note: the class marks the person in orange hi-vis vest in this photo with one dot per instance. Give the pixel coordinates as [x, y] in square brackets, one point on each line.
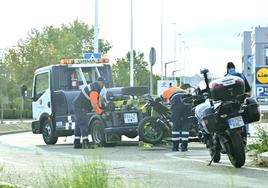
[179, 115]
[88, 98]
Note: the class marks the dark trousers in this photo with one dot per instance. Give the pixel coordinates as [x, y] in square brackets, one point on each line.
[81, 107]
[181, 123]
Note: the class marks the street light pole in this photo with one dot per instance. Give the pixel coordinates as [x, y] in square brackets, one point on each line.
[180, 57]
[96, 28]
[166, 67]
[173, 72]
[175, 45]
[162, 61]
[131, 46]
[183, 63]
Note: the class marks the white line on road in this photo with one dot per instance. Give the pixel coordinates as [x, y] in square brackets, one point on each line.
[172, 155]
[11, 162]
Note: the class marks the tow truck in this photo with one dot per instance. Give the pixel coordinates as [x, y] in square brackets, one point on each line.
[55, 87]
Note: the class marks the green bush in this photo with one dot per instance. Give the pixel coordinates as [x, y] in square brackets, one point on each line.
[15, 114]
[262, 143]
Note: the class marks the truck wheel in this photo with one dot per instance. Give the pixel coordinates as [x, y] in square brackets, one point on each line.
[48, 132]
[98, 133]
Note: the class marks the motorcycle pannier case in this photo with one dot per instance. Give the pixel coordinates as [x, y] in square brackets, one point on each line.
[227, 88]
[251, 111]
[210, 120]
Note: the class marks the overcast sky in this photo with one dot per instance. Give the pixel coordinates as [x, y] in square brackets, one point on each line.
[210, 28]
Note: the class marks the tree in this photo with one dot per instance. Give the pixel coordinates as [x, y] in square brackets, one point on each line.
[121, 71]
[46, 47]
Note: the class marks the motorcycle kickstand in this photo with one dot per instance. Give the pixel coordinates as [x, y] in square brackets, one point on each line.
[209, 164]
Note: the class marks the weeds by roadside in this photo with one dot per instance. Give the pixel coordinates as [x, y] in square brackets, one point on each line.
[90, 174]
[261, 145]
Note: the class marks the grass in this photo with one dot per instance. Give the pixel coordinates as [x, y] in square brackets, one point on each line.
[261, 145]
[80, 175]
[91, 174]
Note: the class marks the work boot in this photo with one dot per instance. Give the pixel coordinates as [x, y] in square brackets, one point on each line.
[184, 146]
[175, 146]
[87, 145]
[77, 144]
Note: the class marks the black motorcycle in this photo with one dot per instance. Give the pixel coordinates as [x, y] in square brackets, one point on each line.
[222, 110]
[157, 125]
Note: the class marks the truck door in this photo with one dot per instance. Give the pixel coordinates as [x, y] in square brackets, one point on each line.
[41, 95]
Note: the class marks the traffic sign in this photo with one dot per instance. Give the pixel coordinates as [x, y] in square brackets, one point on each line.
[91, 56]
[152, 56]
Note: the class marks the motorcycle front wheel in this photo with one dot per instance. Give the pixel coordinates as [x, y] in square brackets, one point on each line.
[150, 130]
[236, 149]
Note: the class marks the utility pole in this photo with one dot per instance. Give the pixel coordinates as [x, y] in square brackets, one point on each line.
[162, 61]
[131, 46]
[175, 48]
[180, 58]
[96, 28]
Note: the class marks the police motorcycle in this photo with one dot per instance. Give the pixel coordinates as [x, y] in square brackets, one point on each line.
[222, 110]
[156, 126]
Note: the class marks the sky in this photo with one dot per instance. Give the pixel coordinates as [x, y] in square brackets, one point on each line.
[209, 28]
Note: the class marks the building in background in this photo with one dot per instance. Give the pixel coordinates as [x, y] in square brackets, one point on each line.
[255, 65]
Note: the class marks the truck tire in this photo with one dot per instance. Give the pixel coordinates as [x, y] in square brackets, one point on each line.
[236, 151]
[150, 131]
[98, 133]
[48, 132]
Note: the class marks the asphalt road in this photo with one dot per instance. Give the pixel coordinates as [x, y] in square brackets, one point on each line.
[25, 159]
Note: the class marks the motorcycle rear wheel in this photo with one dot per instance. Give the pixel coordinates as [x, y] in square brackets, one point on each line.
[151, 131]
[236, 151]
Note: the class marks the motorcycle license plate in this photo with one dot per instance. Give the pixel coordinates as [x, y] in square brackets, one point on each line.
[236, 122]
[130, 118]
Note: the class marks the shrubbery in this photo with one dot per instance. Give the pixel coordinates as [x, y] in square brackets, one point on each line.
[261, 145]
[15, 114]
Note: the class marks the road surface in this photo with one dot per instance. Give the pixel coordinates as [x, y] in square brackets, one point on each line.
[25, 159]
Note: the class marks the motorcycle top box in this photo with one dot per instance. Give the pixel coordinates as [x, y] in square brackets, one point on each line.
[227, 88]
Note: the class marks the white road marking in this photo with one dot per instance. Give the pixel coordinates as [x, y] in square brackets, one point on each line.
[11, 162]
[201, 159]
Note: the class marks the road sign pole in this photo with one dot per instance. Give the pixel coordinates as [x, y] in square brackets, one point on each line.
[152, 58]
[151, 81]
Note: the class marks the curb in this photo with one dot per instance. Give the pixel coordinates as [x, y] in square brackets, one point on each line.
[14, 132]
[9, 185]
[14, 128]
[263, 157]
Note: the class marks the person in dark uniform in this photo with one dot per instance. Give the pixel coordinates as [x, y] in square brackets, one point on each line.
[88, 98]
[180, 113]
[231, 71]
